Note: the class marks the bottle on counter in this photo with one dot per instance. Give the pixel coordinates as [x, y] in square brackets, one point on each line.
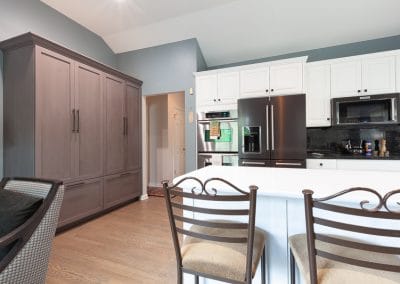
[376, 148]
[382, 148]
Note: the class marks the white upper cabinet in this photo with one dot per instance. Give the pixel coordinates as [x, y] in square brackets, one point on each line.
[272, 78]
[254, 82]
[398, 73]
[286, 79]
[206, 89]
[317, 85]
[369, 75]
[346, 78]
[228, 87]
[379, 75]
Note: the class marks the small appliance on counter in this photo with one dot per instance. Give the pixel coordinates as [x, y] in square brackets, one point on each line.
[272, 131]
[217, 138]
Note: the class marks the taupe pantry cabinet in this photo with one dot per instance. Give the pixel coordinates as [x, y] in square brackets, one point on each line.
[369, 74]
[70, 118]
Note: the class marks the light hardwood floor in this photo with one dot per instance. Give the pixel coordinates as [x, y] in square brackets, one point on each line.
[130, 245]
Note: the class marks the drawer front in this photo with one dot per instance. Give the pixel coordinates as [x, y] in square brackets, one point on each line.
[81, 200]
[321, 164]
[120, 188]
[365, 165]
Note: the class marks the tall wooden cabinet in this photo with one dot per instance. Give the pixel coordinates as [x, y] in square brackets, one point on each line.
[71, 118]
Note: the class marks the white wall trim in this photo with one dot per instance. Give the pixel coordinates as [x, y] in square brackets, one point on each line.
[144, 149]
[144, 197]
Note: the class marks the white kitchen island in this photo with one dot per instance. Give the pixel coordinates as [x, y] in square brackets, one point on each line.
[280, 209]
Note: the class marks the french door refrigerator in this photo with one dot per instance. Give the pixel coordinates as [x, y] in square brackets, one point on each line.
[272, 131]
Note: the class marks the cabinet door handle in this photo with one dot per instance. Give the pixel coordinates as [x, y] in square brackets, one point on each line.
[126, 124]
[77, 121]
[358, 91]
[73, 120]
[254, 163]
[125, 174]
[365, 90]
[272, 129]
[267, 125]
[123, 126]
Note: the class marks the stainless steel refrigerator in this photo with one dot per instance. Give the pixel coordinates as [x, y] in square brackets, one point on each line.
[272, 131]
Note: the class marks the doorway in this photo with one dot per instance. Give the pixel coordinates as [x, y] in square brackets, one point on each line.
[165, 147]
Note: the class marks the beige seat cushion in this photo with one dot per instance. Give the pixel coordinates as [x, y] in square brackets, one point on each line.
[226, 260]
[330, 272]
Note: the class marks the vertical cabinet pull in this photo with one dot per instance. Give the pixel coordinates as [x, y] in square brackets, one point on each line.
[125, 130]
[267, 122]
[73, 120]
[78, 123]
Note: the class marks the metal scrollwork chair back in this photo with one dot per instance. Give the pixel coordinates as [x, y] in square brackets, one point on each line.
[221, 239]
[329, 251]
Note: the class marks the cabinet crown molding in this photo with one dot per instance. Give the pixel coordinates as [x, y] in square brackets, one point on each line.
[31, 39]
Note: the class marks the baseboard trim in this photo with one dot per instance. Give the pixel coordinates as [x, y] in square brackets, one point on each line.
[144, 197]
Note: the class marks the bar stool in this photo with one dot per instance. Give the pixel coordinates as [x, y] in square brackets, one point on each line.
[219, 249]
[336, 258]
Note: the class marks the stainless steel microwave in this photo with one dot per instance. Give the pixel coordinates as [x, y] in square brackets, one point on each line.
[374, 109]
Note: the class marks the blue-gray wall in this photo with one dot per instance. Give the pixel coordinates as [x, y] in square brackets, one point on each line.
[357, 48]
[21, 16]
[166, 69]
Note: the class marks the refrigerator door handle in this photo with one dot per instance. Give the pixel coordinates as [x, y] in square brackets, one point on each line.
[272, 129]
[267, 128]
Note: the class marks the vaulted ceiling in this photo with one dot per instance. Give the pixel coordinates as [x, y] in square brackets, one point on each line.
[234, 30]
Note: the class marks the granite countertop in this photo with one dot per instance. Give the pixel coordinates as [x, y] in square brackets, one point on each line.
[333, 155]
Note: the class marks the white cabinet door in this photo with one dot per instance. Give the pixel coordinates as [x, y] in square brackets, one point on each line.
[379, 75]
[318, 95]
[206, 89]
[398, 73]
[228, 87]
[286, 79]
[346, 79]
[254, 82]
[324, 164]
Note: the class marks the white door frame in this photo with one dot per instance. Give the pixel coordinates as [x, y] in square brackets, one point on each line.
[145, 150]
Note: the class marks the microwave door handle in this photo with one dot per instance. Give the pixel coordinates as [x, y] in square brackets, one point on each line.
[267, 126]
[394, 110]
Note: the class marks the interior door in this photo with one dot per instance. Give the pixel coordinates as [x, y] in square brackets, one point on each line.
[54, 120]
[115, 124]
[288, 127]
[89, 112]
[133, 127]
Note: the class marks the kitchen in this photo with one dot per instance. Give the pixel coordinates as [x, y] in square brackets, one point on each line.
[285, 96]
[331, 125]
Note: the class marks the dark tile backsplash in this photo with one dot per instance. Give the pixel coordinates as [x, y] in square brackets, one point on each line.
[333, 139]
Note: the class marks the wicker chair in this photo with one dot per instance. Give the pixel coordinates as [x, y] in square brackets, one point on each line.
[28, 259]
[342, 253]
[224, 250]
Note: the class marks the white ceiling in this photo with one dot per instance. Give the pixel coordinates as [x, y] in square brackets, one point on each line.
[234, 30]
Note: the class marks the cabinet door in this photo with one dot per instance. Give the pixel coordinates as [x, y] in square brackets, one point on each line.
[133, 128]
[346, 79]
[286, 79]
[228, 87]
[54, 120]
[89, 114]
[120, 188]
[115, 131]
[254, 82]
[318, 95]
[379, 75]
[81, 200]
[206, 89]
[398, 73]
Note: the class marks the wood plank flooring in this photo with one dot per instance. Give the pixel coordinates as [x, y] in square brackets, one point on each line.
[130, 245]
